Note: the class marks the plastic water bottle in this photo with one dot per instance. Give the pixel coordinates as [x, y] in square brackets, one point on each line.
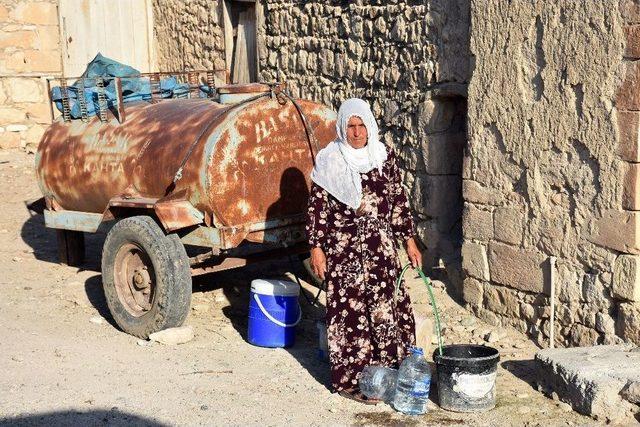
[378, 382]
[414, 381]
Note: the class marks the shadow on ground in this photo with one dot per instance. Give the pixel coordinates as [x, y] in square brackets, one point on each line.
[237, 290]
[236, 286]
[95, 294]
[523, 369]
[45, 248]
[114, 417]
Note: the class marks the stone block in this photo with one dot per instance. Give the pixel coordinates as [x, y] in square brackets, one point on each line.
[590, 379]
[517, 268]
[629, 143]
[508, 225]
[626, 278]
[435, 116]
[11, 115]
[631, 392]
[14, 62]
[442, 153]
[628, 323]
[428, 233]
[477, 223]
[474, 260]
[3, 93]
[24, 89]
[33, 135]
[501, 301]
[568, 283]
[632, 38]
[43, 60]
[10, 140]
[605, 324]
[583, 336]
[472, 292]
[437, 196]
[411, 159]
[4, 13]
[617, 230]
[16, 128]
[627, 96]
[630, 11]
[43, 13]
[489, 317]
[474, 192]
[631, 187]
[17, 39]
[39, 113]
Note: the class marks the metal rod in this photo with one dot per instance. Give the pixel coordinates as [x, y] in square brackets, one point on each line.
[50, 100]
[82, 101]
[120, 100]
[66, 112]
[211, 82]
[154, 85]
[159, 73]
[193, 83]
[552, 297]
[102, 100]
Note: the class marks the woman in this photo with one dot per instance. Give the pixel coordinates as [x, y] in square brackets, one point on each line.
[357, 210]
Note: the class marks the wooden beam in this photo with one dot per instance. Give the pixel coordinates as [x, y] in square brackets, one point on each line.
[228, 36]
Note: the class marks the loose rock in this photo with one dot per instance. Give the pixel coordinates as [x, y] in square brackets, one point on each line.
[631, 392]
[565, 407]
[97, 320]
[494, 336]
[173, 336]
[468, 321]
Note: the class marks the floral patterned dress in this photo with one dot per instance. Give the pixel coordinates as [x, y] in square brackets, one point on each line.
[364, 324]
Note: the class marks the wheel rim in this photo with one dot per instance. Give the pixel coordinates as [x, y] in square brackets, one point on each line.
[134, 279]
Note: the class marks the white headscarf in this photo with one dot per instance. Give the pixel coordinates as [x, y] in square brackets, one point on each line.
[339, 165]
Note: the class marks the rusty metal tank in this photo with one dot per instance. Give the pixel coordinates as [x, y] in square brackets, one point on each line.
[241, 160]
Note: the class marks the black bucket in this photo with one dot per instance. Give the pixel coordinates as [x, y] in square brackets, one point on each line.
[466, 376]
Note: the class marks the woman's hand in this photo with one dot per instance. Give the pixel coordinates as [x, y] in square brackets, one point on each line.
[318, 262]
[414, 253]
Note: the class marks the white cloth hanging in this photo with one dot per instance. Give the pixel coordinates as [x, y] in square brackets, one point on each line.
[339, 165]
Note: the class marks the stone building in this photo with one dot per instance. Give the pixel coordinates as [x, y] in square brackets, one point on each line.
[517, 124]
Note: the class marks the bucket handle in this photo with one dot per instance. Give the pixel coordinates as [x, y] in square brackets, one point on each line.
[273, 319]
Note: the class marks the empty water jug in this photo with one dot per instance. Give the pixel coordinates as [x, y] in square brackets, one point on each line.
[378, 382]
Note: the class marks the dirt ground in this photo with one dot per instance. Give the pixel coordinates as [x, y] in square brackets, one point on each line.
[64, 362]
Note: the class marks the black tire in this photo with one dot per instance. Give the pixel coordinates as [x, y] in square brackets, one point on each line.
[166, 271]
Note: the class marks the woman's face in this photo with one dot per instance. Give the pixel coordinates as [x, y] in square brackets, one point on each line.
[356, 132]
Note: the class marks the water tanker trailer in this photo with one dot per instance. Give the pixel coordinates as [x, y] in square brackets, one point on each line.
[184, 186]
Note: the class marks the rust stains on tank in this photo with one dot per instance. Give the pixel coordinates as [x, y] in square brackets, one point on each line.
[84, 165]
[262, 161]
[248, 163]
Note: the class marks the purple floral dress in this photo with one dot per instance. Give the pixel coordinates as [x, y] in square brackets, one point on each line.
[364, 324]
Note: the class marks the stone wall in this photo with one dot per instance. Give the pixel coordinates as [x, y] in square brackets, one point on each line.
[189, 35]
[545, 175]
[410, 61]
[29, 50]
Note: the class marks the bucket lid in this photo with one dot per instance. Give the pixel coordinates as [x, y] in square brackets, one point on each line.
[275, 287]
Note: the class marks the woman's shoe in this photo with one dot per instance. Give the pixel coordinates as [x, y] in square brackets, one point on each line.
[358, 396]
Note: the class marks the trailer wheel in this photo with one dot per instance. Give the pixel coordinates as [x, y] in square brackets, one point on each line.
[146, 277]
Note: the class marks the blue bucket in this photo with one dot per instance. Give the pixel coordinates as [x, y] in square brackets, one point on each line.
[273, 313]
